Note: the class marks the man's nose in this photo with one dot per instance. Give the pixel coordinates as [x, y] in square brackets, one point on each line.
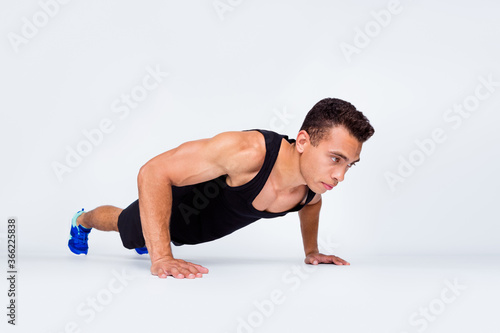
[338, 175]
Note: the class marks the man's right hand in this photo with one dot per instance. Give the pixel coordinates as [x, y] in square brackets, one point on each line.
[177, 268]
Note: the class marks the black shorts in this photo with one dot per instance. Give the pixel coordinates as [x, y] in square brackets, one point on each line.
[130, 227]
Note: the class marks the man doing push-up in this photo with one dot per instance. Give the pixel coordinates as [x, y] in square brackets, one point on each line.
[206, 189]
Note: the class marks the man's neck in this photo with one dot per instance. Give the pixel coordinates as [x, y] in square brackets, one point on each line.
[287, 176]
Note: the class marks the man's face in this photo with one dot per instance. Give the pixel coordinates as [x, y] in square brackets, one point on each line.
[325, 165]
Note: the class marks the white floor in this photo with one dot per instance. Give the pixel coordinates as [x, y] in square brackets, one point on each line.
[115, 292]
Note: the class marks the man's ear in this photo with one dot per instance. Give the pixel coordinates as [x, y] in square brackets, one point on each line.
[302, 141]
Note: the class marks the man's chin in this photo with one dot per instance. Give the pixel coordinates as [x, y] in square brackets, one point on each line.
[317, 188]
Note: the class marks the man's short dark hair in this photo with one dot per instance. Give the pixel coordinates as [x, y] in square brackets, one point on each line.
[331, 112]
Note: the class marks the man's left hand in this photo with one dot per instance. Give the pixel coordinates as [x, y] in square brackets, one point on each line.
[319, 258]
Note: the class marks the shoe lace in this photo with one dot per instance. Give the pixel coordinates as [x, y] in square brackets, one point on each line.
[81, 237]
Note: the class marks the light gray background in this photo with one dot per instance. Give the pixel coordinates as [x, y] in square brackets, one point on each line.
[262, 59]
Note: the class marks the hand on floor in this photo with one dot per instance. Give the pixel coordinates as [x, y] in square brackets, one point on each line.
[177, 268]
[319, 258]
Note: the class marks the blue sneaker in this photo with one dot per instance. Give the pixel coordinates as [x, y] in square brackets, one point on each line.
[78, 236]
[142, 250]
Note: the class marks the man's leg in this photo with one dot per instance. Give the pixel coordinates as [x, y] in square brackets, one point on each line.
[104, 218]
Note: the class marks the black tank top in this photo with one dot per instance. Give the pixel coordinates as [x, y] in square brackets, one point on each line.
[210, 210]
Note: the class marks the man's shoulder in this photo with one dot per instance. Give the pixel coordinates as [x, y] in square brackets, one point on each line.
[242, 140]
[254, 139]
[246, 150]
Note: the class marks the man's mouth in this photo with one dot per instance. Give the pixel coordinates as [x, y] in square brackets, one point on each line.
[328, 187]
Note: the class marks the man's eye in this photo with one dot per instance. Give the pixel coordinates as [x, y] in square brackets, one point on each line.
[351, 165]
[335, 159]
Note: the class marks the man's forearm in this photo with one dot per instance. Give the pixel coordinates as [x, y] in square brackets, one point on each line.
[309, 221]
[155, 205]
[310, 237]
